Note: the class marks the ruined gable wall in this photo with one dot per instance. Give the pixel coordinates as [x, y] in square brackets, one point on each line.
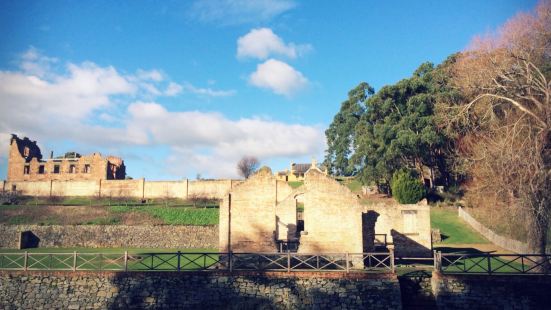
[408, 241]
[332, 217]
[252, 207]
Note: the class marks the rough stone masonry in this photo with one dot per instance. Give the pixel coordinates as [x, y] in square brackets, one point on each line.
[151, 290]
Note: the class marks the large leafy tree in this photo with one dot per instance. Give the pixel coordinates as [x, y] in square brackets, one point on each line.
[341, 133]
[398, 129]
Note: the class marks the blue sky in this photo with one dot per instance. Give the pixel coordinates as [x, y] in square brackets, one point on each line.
[178, 88]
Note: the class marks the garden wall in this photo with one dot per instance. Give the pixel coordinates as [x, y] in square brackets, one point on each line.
[163, 189]
[506, 243]
[139, 188]
[75, 188]
[115, 236]
[19, 290]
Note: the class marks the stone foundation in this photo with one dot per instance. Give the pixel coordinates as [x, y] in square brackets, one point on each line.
[491, 292]
[168, 290]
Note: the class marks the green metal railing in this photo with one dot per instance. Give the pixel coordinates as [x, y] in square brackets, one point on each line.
[486, 263]
[199, 261]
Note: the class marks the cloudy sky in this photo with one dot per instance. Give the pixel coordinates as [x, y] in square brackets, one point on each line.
[180, 88]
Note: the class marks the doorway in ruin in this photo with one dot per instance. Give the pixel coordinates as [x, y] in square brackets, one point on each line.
[371, 242]
[294, 229]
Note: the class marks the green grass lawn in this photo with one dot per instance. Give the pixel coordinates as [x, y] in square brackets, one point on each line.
[479, 264]
[354, 185]
[109, 259]
[295, 184]
[176, 215]
[109, 215]
[453, 229]
[109, 201]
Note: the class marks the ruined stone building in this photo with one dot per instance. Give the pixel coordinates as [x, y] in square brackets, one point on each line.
[25, 163]
[260, 215]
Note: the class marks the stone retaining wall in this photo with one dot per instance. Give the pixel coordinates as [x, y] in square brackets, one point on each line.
[491, 292]
[114, 236]
[504, 242]
[168, 290]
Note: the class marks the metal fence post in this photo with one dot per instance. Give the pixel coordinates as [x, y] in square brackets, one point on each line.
[392, 268]
[179, 253]
[26, 260]
[489, 263]
[75, 261]
[125, 260]
[230, 261]
[288, 261]
[347, 263]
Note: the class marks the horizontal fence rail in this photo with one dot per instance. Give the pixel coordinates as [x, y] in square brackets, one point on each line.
[486, 263]
[180, 261]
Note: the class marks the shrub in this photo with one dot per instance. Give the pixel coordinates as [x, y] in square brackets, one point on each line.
[406, 187]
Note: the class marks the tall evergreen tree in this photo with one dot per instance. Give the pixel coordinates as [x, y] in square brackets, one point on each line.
[340, 134]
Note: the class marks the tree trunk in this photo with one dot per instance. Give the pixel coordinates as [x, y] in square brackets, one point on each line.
[537, 238]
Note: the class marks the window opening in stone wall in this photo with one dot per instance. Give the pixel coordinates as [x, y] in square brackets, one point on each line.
[14, 188]
[410, 221]
[26, 151]
[41, 169]
[72, 169]
[86, 168]
[26, 170]
[56, 168]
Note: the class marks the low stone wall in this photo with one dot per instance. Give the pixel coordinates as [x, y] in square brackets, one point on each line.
[58, 290]
[119, 236]
[506, 243]
[491, 292]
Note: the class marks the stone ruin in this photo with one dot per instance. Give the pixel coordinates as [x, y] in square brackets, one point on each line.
[261, 215]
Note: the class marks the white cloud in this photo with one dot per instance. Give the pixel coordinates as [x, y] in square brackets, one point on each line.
[34, 63]
[231, 12]
[208, 92]
[98, 108]
[279, 77]
[153, 75]
[226, 140]
[262, 42]
[173, 89]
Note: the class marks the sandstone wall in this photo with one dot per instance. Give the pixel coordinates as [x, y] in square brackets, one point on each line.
[139, 188]
[114, 236]
[408, 241]
[332, 217]
[251, 207]
[57, 290]
[35, 188]
[164, 189]
[122, 188]
[75, 188]
[209, 188]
